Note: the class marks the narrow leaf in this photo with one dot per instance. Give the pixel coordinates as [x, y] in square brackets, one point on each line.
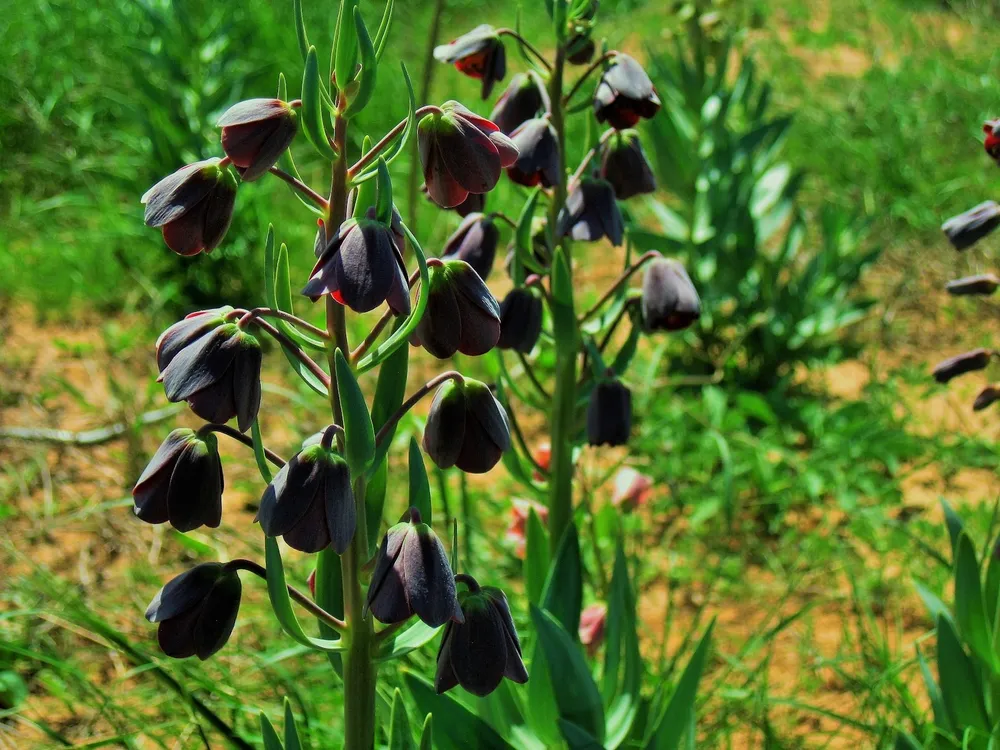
[345, 44]
[455, 724]
[427, 735]
[417, 635]
[536, 557]
[292, 741]
[969, 609]
[563, 595]
[369, 69]
[268, 735]
[420, 487]
[383, 30]
[359, 443]
[400, 736]
[312, 108]
[673, 722]
[960, 685]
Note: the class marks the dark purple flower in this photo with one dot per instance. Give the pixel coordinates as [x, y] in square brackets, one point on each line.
[255, 134]
[461, 316]
[475, 242]
[625, 94]
[591, 213]
[980, 284]
[475, 203]
[669, 299]
[987, 397]
[461, 153]
[520, 320]
[966, 229]
[466, 427]
[538, 154]
[960, 364]
[525, 97]
[193, 206]
[478, 54]
[624, 165]
[609, 414]
[182, 483]
[580, 48]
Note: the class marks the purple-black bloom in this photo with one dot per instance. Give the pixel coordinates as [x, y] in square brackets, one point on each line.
[475, 241]
[625, 94]
[538, 154]
[466, 427]
[255, 134]
[609, 414]
[461, 316]
[591, 213]
[525, 97]
[966, 229]
[980, 284]
[669, 299]
[479, 54]
[520, 320]
[624, 165]
[960, 364]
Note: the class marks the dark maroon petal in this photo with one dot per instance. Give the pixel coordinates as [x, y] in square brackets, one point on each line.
[445, 430]
[183, 592]
[217, 616]
[479, 650]
[246, 381]
[387, 591]
[293, 491]
[444, 677]
[185, 235]
[520, 321]
[253, 110]
[150, 491]
[429, 581]
[184, 332]
[177, 194]
[470, 156]
[201, 364]
[365, 266]
[609, 414]
[175, 637]
[311, 533]
[341, 516]
[669, 299]
[960, 364]
[195, 495]
[440, 327]
[215, 404]
[470, 43]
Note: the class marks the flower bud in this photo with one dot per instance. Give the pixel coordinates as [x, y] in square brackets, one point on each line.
[609, 414]
[520, 320]
[479, 652]
[466, 427]
[960, 364]
[412, 576]
[538, 154]
[517, 528]
[631, 489]
[580, 48]
[591, 213]
[361, 267]
[624, 165]
[524, 98]
[625, 94]
[461, 315]
[461, 153]
[196, 611]
[475, 242]
[182, 483]
[213, 366]
[669, 299]
[193, 206]
[477, 54]
[593, 620]
[987, 397]
[255, 134]
[980, 284]
[966, 229]
[310, 502]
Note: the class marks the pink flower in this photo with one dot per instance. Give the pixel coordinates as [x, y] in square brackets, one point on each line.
[517, 529]
[592, 622]
[632, 489]
[543, 457]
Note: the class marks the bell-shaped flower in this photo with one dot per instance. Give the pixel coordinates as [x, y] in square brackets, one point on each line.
[966, 229]
[461, 315]
[310, 502]
[981, 284]
[591, 213]
[669, 299]
[412, 576]
[461, 153]
[520, 320]
[466, 427]
[625, 166]
[537, 154]
[525, 98]
[196, 611]
[609, 414]
[478, 54]
[213, 366]
[193, 206]
[625, 94]
[987, 397]
[580, 48]
[182, 483]
[255, 134]
[479, 652]
[960, 364]
[475, 241]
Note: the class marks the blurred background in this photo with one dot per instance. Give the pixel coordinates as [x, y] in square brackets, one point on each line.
[807, 153]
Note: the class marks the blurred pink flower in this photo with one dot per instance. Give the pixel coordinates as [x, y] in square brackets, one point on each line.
[517, 529]
[592, 622]
[543, 457]
[632, 489]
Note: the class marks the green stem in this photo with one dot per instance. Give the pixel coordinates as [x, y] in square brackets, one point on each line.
[467, 520]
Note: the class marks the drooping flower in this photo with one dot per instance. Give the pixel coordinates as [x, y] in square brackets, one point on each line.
[960, 364]
[580, 48]
[591, 213]
[478, 54]
[475, 242]
[632, 489]
[669, 300]
[625, 94]
[461, 153]
[479, 652]
[193, 206]
[466, 427]
[461, 315]
[625, 166]
[538, 154]
[255, 133]
[520, 320]
[987, 397]
[412, 576]
[525, 97]
[182, 483]
[196, 611]
[593, 620]
[966, 229]
[609, 414]
[980, 284]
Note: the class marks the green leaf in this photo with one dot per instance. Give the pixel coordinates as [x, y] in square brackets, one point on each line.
[292, 741]
[564, 328]
[524, 256]
[941, 717]
[283, 302]
[383, 30]
[563, 595]
[359, 434]
[383, 193]
[417, 635]
[281, 603]
[268, 735]
[954, 523]
[992, 594]
[369, 69]
[397, 147]
[627, 353]
[671, 725]
[420, 487]
[345, 44]
[970, 611]
[578, 738]
[935, 607]
[312, 108]
[905, 742]
[455, 724]
[536, 557]
[960, 685]
[270, 268]
[427, 734]
[258, 452]
[300, 31]
[400, 735]
[622, 662]
[576, 694]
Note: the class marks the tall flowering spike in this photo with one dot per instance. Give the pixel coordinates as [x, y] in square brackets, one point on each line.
[475, 241]
[669, 299]
[193, 206]
[310, 502]
[625, 94]
[538, 154]
[520, 320]
[196, 611]
[479, 652]
[182, 483]
[466, 427]
[980, 284]
[960, 364]
[609, 414]
[461, 316]
[361, 267]
[992, 142]
[625, 166]
[412, 576]
[966, 229]
[591, 213]
[478, 54]
[255, 134]
[213, 366]
[461, 153]
[525, 97]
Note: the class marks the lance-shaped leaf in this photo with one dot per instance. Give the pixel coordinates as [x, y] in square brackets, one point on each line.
[312, 107]
[670, 726]
[960, 683]
[420, 488]
[455, 724]
[369, 68]
[400, 734]
[970, 611]
[359, 447]
[563, 595]
[345, 42]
